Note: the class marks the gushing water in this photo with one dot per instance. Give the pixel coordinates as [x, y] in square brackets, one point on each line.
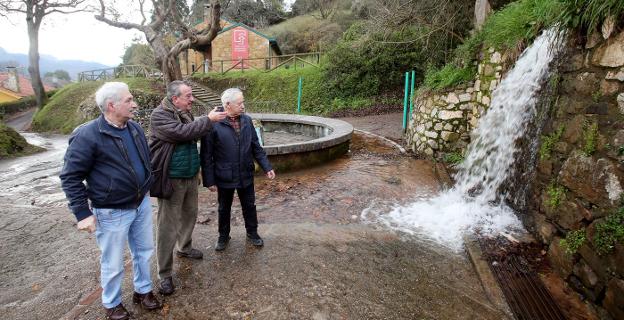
[475, 202]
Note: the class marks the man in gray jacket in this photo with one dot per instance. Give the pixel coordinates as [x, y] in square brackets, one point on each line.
[175, 161]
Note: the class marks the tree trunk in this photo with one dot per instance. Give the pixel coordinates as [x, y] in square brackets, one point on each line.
[33, 63]
[482, 10]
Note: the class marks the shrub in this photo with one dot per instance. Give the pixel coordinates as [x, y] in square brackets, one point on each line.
[588, 14]
[548, 142]
[590, 137]
[555, 193]
[573, 241]
[453, 158]
[609, 232]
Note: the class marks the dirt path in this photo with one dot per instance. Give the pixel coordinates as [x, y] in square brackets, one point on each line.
[320, 260]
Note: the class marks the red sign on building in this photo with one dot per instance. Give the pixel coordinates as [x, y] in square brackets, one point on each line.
[240, 45]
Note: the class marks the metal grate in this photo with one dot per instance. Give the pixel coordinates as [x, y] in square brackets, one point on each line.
[524, 291]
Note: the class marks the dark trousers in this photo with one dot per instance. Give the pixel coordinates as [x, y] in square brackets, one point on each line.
[247, 198]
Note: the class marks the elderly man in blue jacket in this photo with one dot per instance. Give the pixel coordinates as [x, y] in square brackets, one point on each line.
[227, 160]
[111, 154]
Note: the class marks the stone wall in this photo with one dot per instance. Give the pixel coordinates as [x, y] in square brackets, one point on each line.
[580, 176]
[442, 121]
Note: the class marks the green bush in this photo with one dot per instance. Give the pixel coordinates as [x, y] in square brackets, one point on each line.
[365, 63]
[453, 158]
[609, 232]
[555, 193]
[573, 241]
[548, 142]
[590, 137]
[13, 144]
[61, 113]
[450, 75]
[588, 14]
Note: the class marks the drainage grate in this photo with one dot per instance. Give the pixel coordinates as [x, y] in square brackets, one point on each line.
[524, 291]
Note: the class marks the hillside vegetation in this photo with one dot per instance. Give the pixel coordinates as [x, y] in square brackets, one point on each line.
[12, 144]
[63, 112]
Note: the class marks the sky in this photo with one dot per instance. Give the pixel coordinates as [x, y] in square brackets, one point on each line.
[74, 36]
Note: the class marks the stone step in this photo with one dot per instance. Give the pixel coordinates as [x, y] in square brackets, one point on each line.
[205, 95]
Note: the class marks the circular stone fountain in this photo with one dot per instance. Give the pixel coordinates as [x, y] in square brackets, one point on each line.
[293, 141]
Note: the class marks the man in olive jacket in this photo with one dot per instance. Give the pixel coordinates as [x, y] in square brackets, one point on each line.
[228, 155]
[175, 161]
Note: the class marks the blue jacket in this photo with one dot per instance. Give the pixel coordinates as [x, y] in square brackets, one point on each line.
[98, 155]
[227, 159]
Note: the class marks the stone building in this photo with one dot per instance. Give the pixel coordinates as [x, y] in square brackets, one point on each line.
[235, 42]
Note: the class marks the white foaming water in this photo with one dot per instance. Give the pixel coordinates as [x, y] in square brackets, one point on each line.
[474, 203]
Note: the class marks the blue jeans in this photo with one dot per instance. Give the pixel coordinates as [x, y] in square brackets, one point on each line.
[114, 228]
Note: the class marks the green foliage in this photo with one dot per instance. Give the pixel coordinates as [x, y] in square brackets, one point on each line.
[365, 64]
[453, 158]
[59, 74]
[516, 23]
[61, 113]
[590, 137]
[12, 144]
[609, 232]
[588, 14]
[548, 142]
[519, 21]
[139, 54]
[596, 96]
[305, 34]
[555, 193]
[573, 241]
[450, 75]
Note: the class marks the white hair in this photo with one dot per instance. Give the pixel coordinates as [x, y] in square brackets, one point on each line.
[109, 92]
[229, 95]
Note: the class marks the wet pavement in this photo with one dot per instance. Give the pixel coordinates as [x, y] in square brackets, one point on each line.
[319, 261]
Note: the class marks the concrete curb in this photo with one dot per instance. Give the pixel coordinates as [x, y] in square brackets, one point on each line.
[488, 281]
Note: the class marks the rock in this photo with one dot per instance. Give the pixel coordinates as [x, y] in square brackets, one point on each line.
[586, 274]
[619, 259]
[493, 85]
[601, 108]
[446, 115]
[613, 75]
[544, 228]
[608, 88]
[428, 151]
[431, 134]
[595, 181]
[593, 39]
[584, 84]
[452, 98]
[561, 147]
[570, 214]
[561, 262]
[544, 167]
[496, 58]
[610, 53]
[464, 97]
[620, 101]
[614, 298]
[438, 126]
[570, 105]
[477, 85]
[433, 144]
[449, 136]
[607, 26]
[599, 265]
[573, 129]
[485, 100]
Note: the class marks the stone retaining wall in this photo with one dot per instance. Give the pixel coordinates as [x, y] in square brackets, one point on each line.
[580, 174]
[442, 121]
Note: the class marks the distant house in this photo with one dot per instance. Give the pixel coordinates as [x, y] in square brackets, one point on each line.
[14, 86]
[235, 41]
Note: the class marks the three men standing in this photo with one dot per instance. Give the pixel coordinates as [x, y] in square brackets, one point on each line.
[112, 155]
[175, 160]
[228, 154]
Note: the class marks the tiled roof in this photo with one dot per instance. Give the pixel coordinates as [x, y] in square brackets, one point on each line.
[24, 85]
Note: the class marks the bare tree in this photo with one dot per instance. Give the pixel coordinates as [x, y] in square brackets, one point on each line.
[35, 11]
[166, 12]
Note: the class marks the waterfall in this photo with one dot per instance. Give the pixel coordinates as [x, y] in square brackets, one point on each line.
[475, 203]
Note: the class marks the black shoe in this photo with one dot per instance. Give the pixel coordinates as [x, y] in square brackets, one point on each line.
[117, 313]
[166, 286]
[193, 254]
[222, 242]
[255, 240]
[147, 300]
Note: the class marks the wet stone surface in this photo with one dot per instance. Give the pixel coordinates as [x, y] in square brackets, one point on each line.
[319, 261]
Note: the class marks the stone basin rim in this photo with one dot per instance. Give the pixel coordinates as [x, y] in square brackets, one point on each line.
[341, 132]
